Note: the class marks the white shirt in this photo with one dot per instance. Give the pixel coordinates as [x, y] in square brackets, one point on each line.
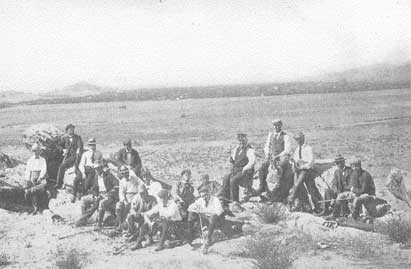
[250, 155]
[287, 144]
[154, 188]
[101, 186]
[38, 165]
[86, 160]
[307, 157]
[128, 188]
[170, 211]
[214, 206]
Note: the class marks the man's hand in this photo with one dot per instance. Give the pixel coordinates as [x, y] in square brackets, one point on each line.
[332, 202]
[65, 152]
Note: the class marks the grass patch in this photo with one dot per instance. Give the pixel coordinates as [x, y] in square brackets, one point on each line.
[399, 231]
[272, 213]
[70, 261]
[4, 259]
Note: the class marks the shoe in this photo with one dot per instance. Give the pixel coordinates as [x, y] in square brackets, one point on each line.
[136, 246]
[205, 248]
[73, 199]
[188, 242]
[131, 238]
[149, 240]
[330, 217]
[159, 248]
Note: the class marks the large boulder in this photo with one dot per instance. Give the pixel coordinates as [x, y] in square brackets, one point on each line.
[7, 161]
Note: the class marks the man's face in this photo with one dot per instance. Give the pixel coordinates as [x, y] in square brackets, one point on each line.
[147, 180]
[126, 175]
[277, 127]
[340, 164]
[93, 147]
[128, 146]
[70, 131]
[205, 196]
[36, 153]
[243, 141]
[186, 177]
[356, 166]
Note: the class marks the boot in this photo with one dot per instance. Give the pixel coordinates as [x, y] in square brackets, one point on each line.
[100, 218]
[137, 245]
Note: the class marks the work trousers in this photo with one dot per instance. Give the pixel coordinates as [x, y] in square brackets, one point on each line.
[232, 181]
[212, 222]
[67, 163]
[86, 182]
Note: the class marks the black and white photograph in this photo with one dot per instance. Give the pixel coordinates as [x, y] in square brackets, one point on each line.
[205, 134]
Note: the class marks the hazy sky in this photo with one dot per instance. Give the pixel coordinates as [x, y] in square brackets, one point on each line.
[50, 44]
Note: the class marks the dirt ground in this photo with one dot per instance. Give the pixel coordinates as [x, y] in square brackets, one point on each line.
[372, 125]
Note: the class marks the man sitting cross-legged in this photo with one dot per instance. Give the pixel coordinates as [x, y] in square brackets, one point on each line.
[141, 203]
[208, 211]
[166, 214]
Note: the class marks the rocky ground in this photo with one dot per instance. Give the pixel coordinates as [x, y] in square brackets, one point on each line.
[33, 241]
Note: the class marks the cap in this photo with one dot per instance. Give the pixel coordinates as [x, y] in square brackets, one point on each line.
[356, 161]
[127, 142]
[123, 169]
[70, 126]
[91, 141]
[186, 171]
[241, 135]
[277, 122]
[35, 147]
[339, 158]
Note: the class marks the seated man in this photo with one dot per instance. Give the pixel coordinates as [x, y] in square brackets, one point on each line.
[304, 184]
[339, 186]
[140, 204]
[130, 157]
[242, 172]
[169, 218]
[87, 172]
[35, 175]
[184, 192]
[128, 189]
[362, 185]
[208, 211]
[104, 196]
[213, 186]
[153, 187]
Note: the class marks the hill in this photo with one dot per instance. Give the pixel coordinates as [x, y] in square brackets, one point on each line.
[79, 89]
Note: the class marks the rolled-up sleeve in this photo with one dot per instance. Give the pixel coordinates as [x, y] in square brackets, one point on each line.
[251, 159]
[267, 145]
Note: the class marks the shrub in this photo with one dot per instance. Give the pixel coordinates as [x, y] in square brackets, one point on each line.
[70, 261]
[272, 213]
[4, 259]
[399, 230]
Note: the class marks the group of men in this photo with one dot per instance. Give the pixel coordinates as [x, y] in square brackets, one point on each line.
[143, 205]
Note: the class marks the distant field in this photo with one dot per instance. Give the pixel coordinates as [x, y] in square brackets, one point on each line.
[375, 125]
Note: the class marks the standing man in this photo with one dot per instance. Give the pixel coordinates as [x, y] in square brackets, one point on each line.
[339, 185]
[87, 173]
[303, 165]
[35, 176]
[104, 196]
[168, 217]
[72, 149]
[210, 210]
[128, 189]
[129, 156]
[242, 171]
[277, 149]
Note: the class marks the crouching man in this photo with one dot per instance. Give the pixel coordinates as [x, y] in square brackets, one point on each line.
[208, 211]
[141, 203]
[168, 218]
[104, 196]
[35, 174]
[128, 189]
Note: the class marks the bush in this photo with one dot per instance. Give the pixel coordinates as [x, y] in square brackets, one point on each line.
[70, 261]
[4, 259]
[272, 213]
[399, 230]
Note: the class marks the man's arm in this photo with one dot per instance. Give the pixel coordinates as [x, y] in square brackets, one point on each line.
[267, 145]
[122, 192]
[308, 158]
[28, 170]
[251, 159]
[43, 169]
[82, 164]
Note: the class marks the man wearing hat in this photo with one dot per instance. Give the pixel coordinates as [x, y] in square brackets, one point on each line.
[243, 160]
[210, 210]
[339, 185]
[128, 189]
[104, 195]
[87, 172]
[169, 217]
[140, 204]
[304, 182]
[35, 174]
[277, 150]
[184, 192]
[130, 157]
[72, 149]
[212, 186]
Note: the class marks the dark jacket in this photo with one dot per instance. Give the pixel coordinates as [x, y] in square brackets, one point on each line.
[73, 146]
[110, 182]
[342, 180]
[135, 158]
[362, 182]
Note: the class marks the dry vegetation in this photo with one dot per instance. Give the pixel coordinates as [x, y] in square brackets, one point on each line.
[272, 213]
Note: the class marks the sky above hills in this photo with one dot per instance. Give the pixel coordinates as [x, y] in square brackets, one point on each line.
[49, 44]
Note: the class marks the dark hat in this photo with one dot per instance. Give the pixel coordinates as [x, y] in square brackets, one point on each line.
[91, 141]
[70, 126]
[355, 161]
[277, 122]
[127, 142]
[241, 135]
[186, 171]
[339, 158]
[123, 169]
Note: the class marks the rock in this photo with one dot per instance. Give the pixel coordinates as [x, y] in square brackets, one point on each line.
[7, 161]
